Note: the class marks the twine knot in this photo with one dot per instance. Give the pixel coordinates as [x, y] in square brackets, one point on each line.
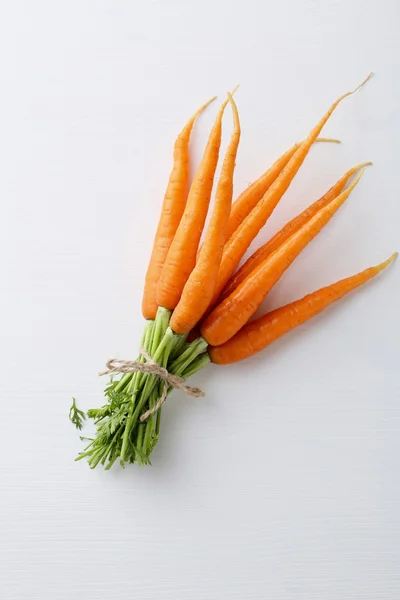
[151, 367]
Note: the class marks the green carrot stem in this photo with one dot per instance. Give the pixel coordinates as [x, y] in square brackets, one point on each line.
[161, 358]
[192, 351]
[147, 383]
[179, 347]
[199, 362]
[161, 325]
[162, 322]
[135, 382]
[195, 360]
[146, 337]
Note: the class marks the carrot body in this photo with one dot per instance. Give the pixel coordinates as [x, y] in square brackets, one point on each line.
[172, 211]
[248, 199]
[233, 312]
[181, 256]
[258, 334]
[199, 288]
[281, 236]
[249, 228]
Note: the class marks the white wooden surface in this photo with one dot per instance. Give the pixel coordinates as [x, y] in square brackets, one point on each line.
[283, 482]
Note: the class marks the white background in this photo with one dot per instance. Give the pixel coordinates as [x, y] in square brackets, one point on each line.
[283, 482]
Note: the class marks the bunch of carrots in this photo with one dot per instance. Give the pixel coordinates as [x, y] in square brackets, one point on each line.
[198, 292]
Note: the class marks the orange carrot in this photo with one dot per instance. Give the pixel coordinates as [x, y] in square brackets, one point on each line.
[248, 199]
[233, 312]
[199, 288]
[249, 228]
[258, 334]
[279, 238]
[181, 256]
[172, 211]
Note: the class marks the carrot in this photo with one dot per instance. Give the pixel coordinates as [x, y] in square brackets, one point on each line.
[249, 228]
[233, 312]
[281, 236]
[199, 288]
[181, 256]
[258, 334]
[250, 197]
[172, 211]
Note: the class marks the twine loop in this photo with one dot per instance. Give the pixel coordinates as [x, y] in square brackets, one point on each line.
[151, 367]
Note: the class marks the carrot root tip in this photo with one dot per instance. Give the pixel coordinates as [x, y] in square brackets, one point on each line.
[330, 140]
[235, 89]
[363, 83]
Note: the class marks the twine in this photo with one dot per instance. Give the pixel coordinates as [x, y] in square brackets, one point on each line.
[117, 365]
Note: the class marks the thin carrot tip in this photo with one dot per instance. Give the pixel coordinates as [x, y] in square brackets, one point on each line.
[362, 166]
[331, 140]
[357, 179]
[386, 263]
[362, 83]
[361, 173]
[206, 104]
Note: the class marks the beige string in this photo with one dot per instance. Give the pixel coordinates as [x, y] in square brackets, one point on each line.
[116, 365]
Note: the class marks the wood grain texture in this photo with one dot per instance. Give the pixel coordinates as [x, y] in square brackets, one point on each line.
[283, 481]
